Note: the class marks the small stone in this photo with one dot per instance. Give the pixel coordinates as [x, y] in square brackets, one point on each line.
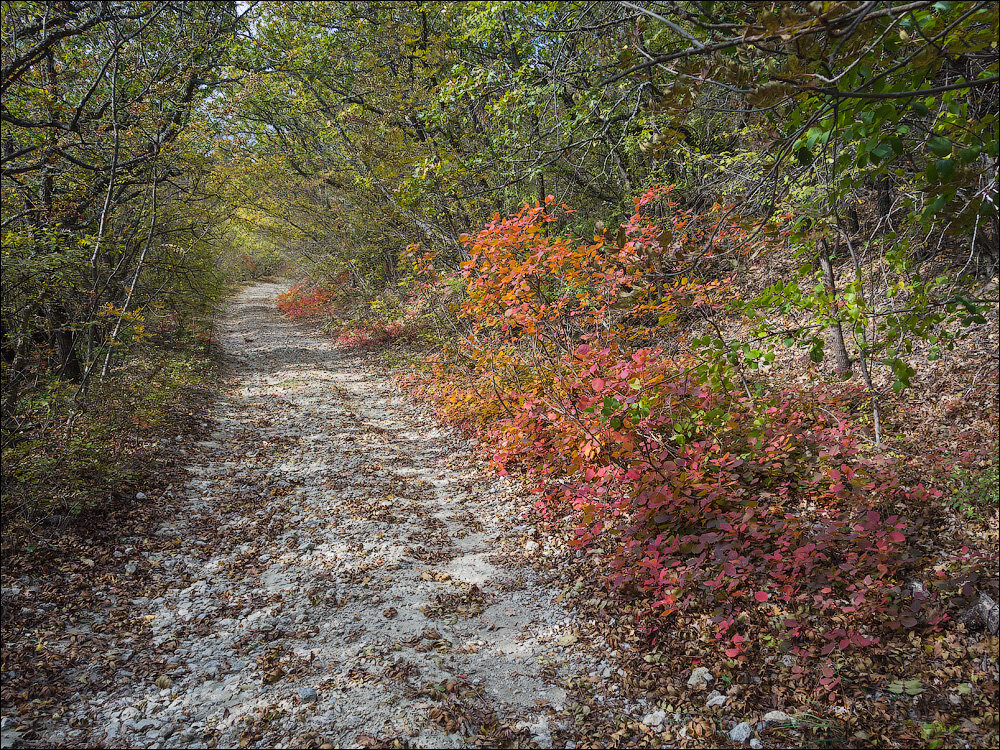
[700, 677]
[984, 615]
[307, 695]
[774, 717]
[530, 546]
[755, 743]
[715, 698]
[654, 718]
[741, 732]
[140, 495]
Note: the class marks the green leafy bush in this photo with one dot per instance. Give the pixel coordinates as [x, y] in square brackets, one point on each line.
[977, 488]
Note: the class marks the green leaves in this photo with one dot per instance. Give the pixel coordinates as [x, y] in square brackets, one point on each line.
[882, 151]
[902, 371]
[816, 349]
[939, 146]
[945, 168]
[970, 313]
[937, 204]
[968, 155]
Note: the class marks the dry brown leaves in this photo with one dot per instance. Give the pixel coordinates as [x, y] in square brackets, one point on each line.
[468, 602]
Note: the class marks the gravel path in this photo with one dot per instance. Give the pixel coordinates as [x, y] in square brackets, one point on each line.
[341, 572]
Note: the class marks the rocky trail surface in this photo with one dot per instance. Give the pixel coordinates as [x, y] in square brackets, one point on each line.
[336, 571]
[320, 563]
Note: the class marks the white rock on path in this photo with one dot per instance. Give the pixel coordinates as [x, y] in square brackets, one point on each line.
[654, 718]
[700, 677]
[715, 698]
[775, 717]
[741, 732]
[985, 614]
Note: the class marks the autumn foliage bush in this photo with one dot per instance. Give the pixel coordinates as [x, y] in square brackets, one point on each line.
[306, 300]
[366, 334]
[700, 494]
[714, 501]
[350, 331]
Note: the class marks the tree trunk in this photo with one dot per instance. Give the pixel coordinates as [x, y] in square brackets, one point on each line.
[853, 221]
[843, 360]
[884, 186]
[68, 366]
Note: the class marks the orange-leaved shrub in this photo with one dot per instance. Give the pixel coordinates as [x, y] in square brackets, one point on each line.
[700, 495]
[306, 300]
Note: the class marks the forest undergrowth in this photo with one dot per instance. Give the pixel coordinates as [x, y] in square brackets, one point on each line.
[733, 513]
[78, 454]
[84, 472]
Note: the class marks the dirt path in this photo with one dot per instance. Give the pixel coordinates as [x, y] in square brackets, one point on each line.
[333, 573]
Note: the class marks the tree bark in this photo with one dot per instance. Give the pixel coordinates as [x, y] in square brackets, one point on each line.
[843, 360]
[69, 363]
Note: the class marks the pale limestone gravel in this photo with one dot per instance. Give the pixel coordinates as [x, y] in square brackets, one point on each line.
[335, 470]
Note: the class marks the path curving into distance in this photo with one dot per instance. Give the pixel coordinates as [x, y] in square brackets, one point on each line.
[338, 571]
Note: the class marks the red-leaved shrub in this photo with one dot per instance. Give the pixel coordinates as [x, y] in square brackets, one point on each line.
[700, 495]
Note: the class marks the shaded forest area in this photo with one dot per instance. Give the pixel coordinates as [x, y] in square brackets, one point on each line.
[718, 280]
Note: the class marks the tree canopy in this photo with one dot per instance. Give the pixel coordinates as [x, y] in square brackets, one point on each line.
[687, 267]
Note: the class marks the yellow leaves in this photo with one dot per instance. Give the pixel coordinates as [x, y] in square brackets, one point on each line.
[109, 310]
